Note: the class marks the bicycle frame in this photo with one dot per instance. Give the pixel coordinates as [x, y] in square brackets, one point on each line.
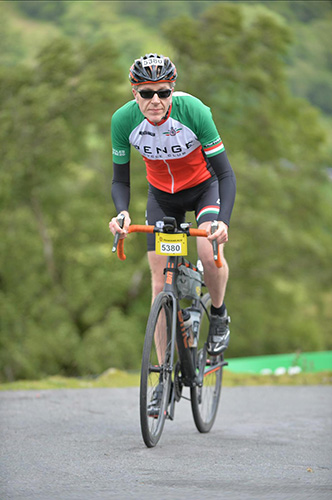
[179, 335]
[178, 329]
[189, 376]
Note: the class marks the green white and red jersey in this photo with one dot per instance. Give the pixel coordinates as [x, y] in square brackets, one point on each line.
[174, 150]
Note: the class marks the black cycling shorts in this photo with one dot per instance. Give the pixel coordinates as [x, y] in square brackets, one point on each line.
[202, 199]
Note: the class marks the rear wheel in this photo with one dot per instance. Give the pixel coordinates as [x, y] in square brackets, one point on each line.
[205, 398]
[156, 376]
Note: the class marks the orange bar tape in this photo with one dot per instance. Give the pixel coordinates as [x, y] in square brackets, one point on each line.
[137, 228]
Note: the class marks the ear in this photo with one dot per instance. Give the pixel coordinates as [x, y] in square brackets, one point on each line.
[135, 94]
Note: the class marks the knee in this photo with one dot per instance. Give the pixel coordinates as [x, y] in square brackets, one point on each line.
[157, 287]
[157, 264]
[157, 282]
[209, 265]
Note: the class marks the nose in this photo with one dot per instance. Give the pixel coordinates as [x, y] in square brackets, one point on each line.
[155, 99]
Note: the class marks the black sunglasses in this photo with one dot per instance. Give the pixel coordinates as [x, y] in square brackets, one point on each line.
[148, 94]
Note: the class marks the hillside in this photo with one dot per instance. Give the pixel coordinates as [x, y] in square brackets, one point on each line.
[68, 306]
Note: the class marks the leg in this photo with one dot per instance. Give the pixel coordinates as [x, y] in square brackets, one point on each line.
[215, 278]
[216, 282]
[157, 265]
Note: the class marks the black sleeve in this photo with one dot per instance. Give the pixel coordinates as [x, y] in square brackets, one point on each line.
[227, 185]
[121, 186]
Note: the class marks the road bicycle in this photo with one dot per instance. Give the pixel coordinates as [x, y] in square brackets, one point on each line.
[174, 351]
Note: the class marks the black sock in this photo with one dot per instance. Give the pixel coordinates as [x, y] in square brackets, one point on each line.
[218, 310]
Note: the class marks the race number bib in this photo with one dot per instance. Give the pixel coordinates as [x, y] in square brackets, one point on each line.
[171, 244]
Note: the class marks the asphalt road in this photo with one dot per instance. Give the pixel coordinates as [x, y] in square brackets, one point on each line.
[267, 443]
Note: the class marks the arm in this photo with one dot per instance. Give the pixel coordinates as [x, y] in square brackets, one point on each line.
[227, 190]
[121, 163]
[121, 196]
[121, 186]
[227, 185]
[202, 122]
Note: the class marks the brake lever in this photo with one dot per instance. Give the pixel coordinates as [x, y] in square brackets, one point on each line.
[214, 228]
[120, 220]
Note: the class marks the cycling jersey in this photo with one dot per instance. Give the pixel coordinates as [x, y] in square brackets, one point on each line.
[175, 150]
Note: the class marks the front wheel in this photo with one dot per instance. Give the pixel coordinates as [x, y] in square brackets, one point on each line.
[156, 376]
[205, 398]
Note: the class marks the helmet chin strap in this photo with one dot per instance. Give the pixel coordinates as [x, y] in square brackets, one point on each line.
[164, 117]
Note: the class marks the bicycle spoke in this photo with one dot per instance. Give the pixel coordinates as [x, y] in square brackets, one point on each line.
[205, 399]
[156, 371]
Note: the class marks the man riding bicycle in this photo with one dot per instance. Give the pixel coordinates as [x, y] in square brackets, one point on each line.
[187, 170]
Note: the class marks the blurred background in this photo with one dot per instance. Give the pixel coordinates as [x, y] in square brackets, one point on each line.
[68, 306]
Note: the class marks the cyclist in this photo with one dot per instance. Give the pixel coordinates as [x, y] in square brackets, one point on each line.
[187, 170]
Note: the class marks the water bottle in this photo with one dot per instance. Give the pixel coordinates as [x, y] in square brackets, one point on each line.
[187, 322]
[195, 317]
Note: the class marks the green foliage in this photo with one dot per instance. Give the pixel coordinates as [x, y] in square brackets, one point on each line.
[301, 12]
[309, 60]
[44, 10]
[311, 73]
[11, 45]
[68, 306]
[239, 72]
[131, 36]
[56, 287]
[153, 13]
[279, 291]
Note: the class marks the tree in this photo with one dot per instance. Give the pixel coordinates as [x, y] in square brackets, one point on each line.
[54, 131]
[68, 305]
[233, 58]
[11, 45]
[50, 11]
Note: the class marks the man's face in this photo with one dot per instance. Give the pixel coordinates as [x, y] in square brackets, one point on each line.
[153, 109]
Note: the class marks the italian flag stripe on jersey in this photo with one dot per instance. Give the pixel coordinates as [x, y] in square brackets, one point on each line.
[211, 209]
[215, 149]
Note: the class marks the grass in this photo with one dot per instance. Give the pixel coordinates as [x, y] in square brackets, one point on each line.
[117, 378]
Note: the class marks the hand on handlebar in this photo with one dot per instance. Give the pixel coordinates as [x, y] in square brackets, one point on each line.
[119, 227]
[114, 224]
[218, 233]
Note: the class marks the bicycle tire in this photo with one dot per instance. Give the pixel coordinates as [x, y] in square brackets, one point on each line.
[154, 371]
[205, 399]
